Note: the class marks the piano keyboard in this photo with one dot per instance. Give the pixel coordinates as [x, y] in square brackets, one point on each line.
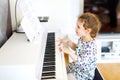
[49, 58]
[54, 64]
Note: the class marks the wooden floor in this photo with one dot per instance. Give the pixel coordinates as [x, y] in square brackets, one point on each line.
[109, 71]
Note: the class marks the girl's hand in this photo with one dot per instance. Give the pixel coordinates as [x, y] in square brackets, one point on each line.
[62, 41]
[64, 48]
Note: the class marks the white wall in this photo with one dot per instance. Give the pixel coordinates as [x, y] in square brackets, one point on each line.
[62, 13]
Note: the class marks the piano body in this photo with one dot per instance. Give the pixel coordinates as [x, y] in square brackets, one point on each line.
[23, 60]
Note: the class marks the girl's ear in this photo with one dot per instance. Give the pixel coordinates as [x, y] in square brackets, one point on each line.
[89, 30]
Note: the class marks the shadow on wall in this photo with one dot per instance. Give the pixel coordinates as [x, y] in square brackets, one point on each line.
[3, 20]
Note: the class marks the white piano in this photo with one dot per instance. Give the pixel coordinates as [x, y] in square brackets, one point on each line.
[23, 60]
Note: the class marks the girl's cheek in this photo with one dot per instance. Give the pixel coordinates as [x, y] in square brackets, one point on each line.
[75, 28]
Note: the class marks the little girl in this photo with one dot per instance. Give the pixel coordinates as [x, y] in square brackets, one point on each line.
[84, 58]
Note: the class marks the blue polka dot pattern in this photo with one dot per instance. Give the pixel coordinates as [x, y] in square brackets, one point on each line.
[85, 65]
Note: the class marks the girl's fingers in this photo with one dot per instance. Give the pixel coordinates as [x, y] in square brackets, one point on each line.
[60, 48]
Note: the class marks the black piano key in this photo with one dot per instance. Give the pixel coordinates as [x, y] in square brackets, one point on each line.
[44, 78]
[49, 55]
[47, 59]
[49, 51]
[49, 68]
[51, 34]
[50, 47]
[50, 44]
[49, 74]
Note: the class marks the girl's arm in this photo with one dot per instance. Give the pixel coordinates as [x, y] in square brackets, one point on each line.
[71, 44]
[73, 56]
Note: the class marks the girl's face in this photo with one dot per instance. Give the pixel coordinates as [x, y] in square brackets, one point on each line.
[80, 30]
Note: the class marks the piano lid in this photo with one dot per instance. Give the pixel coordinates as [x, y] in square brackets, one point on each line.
[20, 59]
